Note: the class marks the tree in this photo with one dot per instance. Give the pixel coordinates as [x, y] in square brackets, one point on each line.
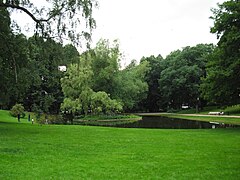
[76, 87]
[5, 36]
[13, 62]
[79, 95]
[29, 71]
[16, 110]
[153, 102]
[105, 65]
[71, 54]
[97, 83]
[44, 92]
[130, 86]
[58, 18]
[29, 67]
[222, 83]
[181, 76]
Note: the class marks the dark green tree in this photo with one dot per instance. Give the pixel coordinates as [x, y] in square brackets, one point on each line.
[153, 102]
[5, 36]
[222, 84]
[13, 63]
[71, 54]
[45, 92]
[181, 77]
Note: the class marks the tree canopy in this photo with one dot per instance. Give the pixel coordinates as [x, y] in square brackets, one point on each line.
[222, 84]
[98, 84]
[181, 75]
[94, 81]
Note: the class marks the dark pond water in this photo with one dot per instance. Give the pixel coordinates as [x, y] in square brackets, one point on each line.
[173, 123]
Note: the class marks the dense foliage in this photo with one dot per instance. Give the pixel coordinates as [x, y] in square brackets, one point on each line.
[95, 83]
[181, 76]
[222, 84]
[153, 102]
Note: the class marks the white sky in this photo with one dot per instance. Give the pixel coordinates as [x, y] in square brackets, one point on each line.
[152, 27]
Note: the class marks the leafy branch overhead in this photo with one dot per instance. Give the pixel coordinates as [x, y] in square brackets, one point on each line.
[58, 19]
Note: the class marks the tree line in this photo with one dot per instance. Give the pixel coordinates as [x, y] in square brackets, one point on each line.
[95, 83]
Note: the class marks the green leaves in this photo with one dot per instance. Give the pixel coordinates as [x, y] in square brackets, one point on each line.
[97, 83]
[181, 75]
[102, 103]
[130, 85]
[222, 84]
[16, 110]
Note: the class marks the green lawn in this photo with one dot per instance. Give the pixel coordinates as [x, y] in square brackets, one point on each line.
[230, 110]
[213, 118]
[80, 152]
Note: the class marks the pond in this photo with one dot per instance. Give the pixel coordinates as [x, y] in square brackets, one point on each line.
[150, 121]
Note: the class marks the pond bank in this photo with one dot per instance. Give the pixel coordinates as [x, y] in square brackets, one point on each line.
[153, 121]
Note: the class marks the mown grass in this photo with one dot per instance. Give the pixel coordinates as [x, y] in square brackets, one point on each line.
[81, 152]
[220, 119]
[6, 117]
[230, 110]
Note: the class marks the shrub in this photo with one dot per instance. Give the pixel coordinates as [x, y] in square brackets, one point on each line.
[17, 109]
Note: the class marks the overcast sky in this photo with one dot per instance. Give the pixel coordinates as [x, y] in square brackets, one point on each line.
[152, 27]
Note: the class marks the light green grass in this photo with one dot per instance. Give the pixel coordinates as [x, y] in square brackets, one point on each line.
[220, 119]
[81, 152]
[230, 110]
[6, 117]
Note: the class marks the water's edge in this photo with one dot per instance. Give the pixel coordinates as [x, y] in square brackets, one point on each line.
[162, 122]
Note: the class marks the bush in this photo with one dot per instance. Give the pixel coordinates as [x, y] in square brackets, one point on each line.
[17, 109]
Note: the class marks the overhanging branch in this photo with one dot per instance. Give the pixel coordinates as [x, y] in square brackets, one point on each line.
[24, 10]
[38, 21]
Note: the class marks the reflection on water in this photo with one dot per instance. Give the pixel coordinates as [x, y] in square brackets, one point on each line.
[149, 121]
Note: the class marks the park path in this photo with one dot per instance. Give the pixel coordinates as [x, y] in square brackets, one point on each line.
[142, 114]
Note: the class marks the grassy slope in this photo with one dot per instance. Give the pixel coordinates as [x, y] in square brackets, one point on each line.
[80, 152]
[5, 117]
